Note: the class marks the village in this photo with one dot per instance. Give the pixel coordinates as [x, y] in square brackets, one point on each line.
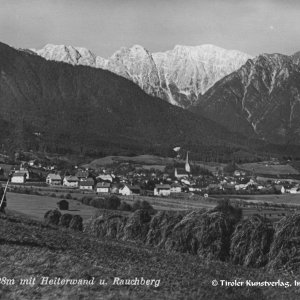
[132, 179]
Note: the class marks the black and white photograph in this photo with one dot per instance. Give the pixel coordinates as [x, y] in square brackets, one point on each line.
[149, 149]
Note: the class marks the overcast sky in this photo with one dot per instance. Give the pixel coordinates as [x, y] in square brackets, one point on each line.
[255, 26]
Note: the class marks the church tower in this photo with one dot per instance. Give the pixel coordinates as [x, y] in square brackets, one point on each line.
[187, 164]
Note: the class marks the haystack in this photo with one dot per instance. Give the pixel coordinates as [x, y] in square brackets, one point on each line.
[161, 227]
[213, 233]
[65, 220]
[182, 237]
[52, 217]
[106, 226]
[76, 223]
[137, 225]
[285, 249]
[251, 241]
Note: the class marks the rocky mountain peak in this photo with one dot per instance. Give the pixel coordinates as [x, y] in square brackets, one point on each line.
[179, 76]
[261, 98]
[68, 54]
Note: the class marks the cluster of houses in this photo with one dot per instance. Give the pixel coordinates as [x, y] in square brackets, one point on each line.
[163, 184]
[105, 184]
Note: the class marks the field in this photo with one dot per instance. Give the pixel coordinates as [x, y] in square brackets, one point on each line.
[36, 206]
[289, 199]
[269, 168]
[273, 207]
[150, 160]
[30, 249]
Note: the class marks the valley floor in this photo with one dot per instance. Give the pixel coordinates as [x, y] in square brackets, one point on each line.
[31, 249]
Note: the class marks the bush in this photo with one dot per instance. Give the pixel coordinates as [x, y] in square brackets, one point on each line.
[113, 202]
[125, 206]
[98, 203]
[225, 207]
[68, 196]
[145, 205]
[63, 205]
[86, 200]
[136, 205]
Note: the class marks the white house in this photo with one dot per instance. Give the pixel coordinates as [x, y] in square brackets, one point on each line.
[19, 177]
[23, 170]
[127, 190]
[162, 190]
[71, 181]
[53, 179]
[103, 187]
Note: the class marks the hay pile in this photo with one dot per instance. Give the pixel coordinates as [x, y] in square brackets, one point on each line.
[76, 223]
[52, 217]
[251, 241]
[182, 238]
[161, 227]
[109, 225]
[65, 220]
[285, 249]
[213, 234]
[137, 226]
[205, 233]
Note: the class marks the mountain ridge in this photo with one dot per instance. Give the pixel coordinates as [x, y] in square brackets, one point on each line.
[178, 76]
[261, 98]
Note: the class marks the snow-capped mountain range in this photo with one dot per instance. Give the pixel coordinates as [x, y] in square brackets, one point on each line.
[179, 76]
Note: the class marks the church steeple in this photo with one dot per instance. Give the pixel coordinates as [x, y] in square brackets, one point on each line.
[176, 174]
[187, 165]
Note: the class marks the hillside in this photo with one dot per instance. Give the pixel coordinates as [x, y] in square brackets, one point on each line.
[56, 107]
[260, 99]
[32, 249]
